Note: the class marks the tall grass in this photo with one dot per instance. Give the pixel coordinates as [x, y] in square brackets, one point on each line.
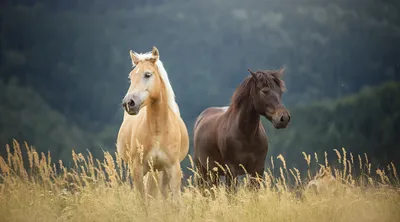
[100, 190]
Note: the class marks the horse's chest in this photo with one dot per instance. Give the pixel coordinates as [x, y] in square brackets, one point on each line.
[158, 152]
[155, 139]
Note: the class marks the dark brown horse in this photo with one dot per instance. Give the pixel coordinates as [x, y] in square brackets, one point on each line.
[234, 135]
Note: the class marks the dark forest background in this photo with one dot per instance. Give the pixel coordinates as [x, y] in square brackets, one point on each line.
[64, 68]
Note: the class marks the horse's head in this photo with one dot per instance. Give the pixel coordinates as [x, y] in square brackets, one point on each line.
[145, 82]
[267, 97]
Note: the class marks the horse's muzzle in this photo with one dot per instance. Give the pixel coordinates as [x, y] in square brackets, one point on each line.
[281, 119]
[131, 105]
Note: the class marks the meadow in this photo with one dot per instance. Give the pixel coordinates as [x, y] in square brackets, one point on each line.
[33, 187]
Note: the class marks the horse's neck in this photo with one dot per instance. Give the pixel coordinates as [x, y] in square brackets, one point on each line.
[157, 114]
[247, 118]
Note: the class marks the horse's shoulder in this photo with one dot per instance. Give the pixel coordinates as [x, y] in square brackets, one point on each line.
[182, 124]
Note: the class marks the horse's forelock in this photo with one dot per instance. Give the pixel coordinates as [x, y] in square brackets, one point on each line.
[270, 77]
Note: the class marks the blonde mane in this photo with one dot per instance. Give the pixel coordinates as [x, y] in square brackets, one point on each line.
[164, 77]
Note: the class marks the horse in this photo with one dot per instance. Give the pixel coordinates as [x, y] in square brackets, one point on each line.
[233, 137]
[152, 130]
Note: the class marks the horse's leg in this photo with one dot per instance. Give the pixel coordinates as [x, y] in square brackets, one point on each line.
[255, 175]
[138, 173]
[231, 177]
[153, 183]
[213, 182]
[122, 147]
[203, 181]
[174, 174]
[164, 183]
[201, 177]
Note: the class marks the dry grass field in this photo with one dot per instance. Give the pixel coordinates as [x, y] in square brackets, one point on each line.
[96, 190]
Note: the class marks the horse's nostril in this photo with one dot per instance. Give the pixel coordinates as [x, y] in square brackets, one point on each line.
[285, 119]
[131, 103]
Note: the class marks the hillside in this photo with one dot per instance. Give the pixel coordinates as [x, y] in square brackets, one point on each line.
[25, 116]
[366, 122]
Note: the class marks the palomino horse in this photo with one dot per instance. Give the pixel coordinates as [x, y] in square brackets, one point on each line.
[152, 119]
[234, 135]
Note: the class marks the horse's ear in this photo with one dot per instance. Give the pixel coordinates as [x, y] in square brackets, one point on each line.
[279, 75]
[155, 54]
[281, 72]
[252, 74]
[134, 58]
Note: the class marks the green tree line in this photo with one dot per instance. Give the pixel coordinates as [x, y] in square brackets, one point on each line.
[366, 122]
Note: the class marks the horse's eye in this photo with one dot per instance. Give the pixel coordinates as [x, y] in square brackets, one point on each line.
[147, 75]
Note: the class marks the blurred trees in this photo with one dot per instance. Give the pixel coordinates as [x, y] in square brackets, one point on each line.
[74, 56]
[367, 122]
[25, 116]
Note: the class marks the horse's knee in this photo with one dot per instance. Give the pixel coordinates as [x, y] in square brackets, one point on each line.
[200, 175]
[254, 180]
[138, 177]
[174, 174]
